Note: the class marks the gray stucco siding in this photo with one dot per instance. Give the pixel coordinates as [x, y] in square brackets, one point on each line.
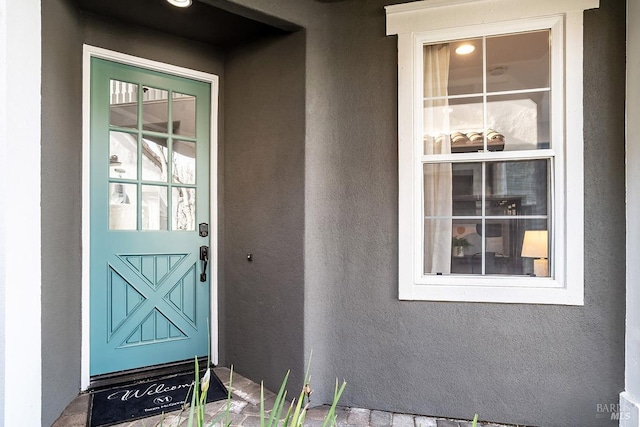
[518, 363]
[308, 184]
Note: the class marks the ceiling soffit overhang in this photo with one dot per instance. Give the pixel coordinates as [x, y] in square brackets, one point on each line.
[219, 23]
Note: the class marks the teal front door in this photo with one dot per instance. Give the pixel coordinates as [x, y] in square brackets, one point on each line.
[149, 192]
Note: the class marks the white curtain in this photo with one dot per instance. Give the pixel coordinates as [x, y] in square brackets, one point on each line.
[438, 198]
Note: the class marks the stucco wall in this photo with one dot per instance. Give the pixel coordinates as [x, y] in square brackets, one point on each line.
[61, 205]
[264, 209]
[541, 365]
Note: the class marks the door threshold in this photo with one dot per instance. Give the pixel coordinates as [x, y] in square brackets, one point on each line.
[103, 381]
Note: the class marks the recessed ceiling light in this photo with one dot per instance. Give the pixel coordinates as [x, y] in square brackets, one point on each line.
[180, 3]
[465, 49]
[498, 70]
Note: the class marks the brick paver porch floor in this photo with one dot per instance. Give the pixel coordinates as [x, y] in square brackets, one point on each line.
[245, 411]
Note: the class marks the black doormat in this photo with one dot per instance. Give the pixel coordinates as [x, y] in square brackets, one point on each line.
[146, 398]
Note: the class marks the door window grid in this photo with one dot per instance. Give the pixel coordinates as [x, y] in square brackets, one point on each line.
[131, 98]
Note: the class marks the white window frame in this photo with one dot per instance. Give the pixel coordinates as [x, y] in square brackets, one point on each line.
[433, 21]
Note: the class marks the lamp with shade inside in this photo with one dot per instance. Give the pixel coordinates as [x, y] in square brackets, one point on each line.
[536, 245]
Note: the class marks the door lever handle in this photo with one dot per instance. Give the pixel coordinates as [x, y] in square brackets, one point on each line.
[204, 257]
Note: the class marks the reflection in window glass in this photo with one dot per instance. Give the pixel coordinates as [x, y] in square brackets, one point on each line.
[476, 215]
[454, 126]
[184, 162]
[466, 189]
[155, 109]
[510, 68]
[454, 76]
[154, 207]
[509, 188]
[154, 159]
[123, 110]
[517, 188]
[184, 209]
[184, 115]
[490, 247]
[123, 206]
[536, 257]
[522, 120]
[465, 67]
[123, 155]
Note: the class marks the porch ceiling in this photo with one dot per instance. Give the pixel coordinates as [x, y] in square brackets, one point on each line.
[203, 21]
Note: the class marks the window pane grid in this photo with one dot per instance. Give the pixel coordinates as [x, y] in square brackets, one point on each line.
[449, 96]
[486, 155]
[148, 193]
[509, 200]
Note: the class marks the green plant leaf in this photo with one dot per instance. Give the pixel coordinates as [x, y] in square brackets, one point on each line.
[279, 408]
[193, 399]
[330, 418]
[297, 410]
[225, 414]
[287, 418]
[279, 398]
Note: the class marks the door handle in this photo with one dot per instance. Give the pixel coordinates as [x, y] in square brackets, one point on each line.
[204, 257]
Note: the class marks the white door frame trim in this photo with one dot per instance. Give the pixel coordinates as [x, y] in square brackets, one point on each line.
[96, 52]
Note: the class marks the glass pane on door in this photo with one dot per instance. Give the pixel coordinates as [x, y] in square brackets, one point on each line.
[184, 115]
[155, 155]
[123, 200]
[184, 162]
[155, 109]
[154, 207]
[184, 209]
[123, 155]
[123, 104]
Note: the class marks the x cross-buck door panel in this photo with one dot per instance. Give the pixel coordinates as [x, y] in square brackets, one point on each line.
[149, 184]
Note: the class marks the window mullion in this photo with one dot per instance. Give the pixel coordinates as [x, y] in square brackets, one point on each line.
[488, 156]
[484, 92]
[484, 164]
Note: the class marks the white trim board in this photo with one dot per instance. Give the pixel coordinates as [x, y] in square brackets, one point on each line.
[429, 15]
[96, 52]
[628, 411]
[630, 398]
[430, 21]
[20, 226]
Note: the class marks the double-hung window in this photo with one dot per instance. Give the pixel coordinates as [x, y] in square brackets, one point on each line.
[490, 150]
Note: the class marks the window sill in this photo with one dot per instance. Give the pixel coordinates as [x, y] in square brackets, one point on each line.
[537, 291]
